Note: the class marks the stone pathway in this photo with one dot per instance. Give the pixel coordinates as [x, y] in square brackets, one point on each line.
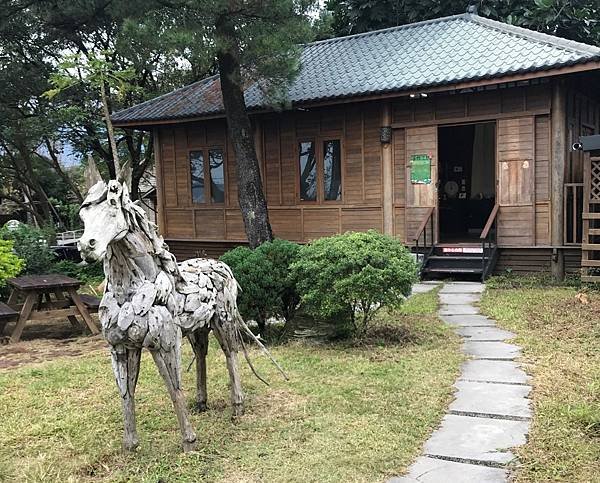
[491, 412]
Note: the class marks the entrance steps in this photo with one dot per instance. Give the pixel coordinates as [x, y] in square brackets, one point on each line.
[460, 259]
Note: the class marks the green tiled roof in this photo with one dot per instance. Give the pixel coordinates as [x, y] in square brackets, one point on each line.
[437, 52]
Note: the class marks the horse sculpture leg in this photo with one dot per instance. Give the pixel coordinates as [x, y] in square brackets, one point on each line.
[229, 349]
[169, 367]
[126, 366]
[199, 342]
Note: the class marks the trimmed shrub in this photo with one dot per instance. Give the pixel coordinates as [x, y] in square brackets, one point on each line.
[347, 278]
[280, 255]
[10, 264]
[263, 274]
[32, 245]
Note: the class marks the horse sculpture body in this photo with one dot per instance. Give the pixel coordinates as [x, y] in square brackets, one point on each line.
[151, 302]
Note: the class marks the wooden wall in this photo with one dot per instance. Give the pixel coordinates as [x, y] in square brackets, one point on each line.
[522, 116]
[357, 126]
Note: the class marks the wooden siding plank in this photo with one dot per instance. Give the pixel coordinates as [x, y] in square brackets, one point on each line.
[320, 222]
[210, 223]
[361, 219]
[353, 162]
[182, 169]
[287, 223]
[372, 154]
[399, 156]
[168, 167]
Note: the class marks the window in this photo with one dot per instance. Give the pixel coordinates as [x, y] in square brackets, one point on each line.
[320, 172]
[214, 171]
[332, 170]
[308, 171]
[197, 167]
[217, 176]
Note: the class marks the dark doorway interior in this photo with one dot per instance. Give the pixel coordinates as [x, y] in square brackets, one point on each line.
[467, 180]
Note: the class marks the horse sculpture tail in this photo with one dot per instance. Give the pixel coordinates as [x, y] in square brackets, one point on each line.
[243, 328]
[239, 327]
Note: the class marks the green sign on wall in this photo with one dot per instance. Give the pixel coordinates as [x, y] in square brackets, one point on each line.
[420, 169]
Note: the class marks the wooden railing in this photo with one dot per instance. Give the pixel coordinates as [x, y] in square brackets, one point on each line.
[68, 237]
[572, 209]
[489, 243]
[421, 233]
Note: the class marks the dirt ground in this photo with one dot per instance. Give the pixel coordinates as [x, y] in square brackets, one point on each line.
[44, 341]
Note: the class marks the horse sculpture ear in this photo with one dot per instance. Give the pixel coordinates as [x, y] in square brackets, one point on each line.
[124, 175]
[92, 174]
[115, 190]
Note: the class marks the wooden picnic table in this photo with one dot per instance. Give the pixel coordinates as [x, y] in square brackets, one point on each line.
[46, 297]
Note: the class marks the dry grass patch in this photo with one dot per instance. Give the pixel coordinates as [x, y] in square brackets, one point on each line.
[350, 412]
[560, 337]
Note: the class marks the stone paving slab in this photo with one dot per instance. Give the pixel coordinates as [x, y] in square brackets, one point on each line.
[477, 439]
[485, 333]
[459, 298]
[434, 470]
[424, 287]
[507, 400]
[493, 371]
[491, 350]
[463, 287]
[467, 320]
[458, 309]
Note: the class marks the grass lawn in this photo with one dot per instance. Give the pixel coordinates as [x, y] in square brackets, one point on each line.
[349, 412]
[560, 338]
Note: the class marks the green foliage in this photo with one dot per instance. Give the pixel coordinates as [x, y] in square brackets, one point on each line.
[263, 274]
[68, 213]
[565, 18]
[349, 277]
[10, 264]
[280, 254]
[576, 20]
[32, 245]
[89, 274]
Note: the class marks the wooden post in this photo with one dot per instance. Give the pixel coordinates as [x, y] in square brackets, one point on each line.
[559, 159]
[388, 174]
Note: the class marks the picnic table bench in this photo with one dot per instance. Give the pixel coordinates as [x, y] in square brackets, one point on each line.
[46, 297]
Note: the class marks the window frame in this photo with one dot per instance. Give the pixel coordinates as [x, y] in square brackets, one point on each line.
[205, 150]
[318, 142]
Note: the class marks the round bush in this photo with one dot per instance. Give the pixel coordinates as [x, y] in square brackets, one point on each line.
[347, 278]
[263, 275]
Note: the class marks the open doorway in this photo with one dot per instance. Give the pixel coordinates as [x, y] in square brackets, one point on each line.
[467, 180]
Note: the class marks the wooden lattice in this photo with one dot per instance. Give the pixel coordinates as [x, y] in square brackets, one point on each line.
[594, 180]
[590, 247]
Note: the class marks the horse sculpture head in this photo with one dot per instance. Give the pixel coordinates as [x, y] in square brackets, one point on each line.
[103, 218]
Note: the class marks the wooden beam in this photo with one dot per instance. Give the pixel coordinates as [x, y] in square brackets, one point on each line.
[471, 119]
[590, 263]
[557, 172]
[388, 174]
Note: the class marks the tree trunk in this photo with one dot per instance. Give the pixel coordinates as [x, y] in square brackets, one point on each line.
[250, 191]
[109, 128]
[57, 167]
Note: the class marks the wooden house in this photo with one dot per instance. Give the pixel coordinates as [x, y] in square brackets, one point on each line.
[453, 135]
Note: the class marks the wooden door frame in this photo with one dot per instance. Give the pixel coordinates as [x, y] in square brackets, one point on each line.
[493, 121]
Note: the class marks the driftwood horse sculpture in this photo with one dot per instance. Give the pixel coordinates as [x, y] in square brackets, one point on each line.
[151, 301]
